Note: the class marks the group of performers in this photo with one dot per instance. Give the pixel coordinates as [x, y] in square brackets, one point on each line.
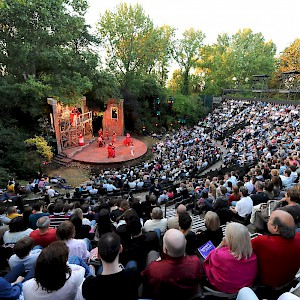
[111, 148]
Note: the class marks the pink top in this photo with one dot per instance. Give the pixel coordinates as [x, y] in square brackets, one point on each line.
[228, 274]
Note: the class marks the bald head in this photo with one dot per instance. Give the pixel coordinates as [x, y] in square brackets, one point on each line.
[174, 243]
[180, 209]
[43, 222]
[282, 223]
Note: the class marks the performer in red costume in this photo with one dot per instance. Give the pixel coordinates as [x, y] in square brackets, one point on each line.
[111, 150]
[127, 140]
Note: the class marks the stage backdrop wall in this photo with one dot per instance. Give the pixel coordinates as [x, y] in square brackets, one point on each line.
[113, 118]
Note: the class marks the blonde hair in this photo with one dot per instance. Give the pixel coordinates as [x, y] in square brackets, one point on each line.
[213, 190]
[212, 221]
[238, 240]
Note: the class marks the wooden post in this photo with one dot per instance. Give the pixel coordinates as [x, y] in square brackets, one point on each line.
[53, 103]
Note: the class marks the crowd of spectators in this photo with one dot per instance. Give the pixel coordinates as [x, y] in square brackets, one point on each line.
[104, 228]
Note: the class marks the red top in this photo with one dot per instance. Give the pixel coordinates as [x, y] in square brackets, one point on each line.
[173, 276]
[44, 239]
[278, 258]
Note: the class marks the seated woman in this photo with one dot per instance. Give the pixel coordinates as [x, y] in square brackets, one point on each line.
[213, 230]
[54, 277]
[234, 196]
[77, 247]
[232, 265]
[17, 230]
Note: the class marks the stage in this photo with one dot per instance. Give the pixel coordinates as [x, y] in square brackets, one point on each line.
[90, 153]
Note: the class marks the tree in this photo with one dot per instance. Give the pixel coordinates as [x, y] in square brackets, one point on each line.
[131, 41]
[289, 60]
[43, 51]
[187, 54]
[240, 56]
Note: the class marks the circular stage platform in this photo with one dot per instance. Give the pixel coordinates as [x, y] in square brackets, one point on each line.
[92, 154]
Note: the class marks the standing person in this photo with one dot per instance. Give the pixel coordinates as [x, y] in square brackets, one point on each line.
[106, 134]
[100, 133]
[127, 140]
[110, 151]
[114, 138]
[115, 281]
[132, 149]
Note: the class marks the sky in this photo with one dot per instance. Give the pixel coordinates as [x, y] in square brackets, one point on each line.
[277, 20]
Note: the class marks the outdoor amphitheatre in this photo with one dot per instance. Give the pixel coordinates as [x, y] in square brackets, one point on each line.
[119, 180]
[238, 138]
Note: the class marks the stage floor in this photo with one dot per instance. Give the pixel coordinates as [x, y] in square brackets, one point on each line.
[99, 155]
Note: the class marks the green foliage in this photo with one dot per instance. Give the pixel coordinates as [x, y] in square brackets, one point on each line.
[240, 56]
[14, 155]
[44, 52]
[42, 147]
[190, 106]
[187, 54]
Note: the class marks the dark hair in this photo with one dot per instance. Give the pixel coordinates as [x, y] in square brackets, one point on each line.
[2, 210]
[38, 205]
[223, 189]
[244, 191]
[285, 231]
[85, 208]
[23, 246]
[65, 231]
[16, 224]
[204, 194]
[185, 221]
[58, 207]
[133, 225]
[293, 194]
[109, 246]
[77, 222]
[51, 269]
[104, 224]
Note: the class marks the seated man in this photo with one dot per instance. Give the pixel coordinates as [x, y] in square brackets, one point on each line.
[114, 280]
[175, 276]
[243, 206]
[24, 253]
[43, 235]
[278, 253]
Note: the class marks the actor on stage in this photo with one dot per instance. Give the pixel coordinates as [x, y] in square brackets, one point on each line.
[127, 140]
[114, 138]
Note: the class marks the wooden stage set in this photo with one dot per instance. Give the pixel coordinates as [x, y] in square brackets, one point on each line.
[90, 153]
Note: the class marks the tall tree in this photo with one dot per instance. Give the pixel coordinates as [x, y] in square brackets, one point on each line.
[237, 57]
[289, 60]
[43, 51]
[131, 41]
[187, 54]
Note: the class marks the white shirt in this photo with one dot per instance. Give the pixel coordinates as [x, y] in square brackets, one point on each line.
[68, 292]
[249, 186]
[161, 224]
[77, 247]
[244, 206]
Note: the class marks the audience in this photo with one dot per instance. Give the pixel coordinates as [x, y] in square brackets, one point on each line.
[261, 163]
